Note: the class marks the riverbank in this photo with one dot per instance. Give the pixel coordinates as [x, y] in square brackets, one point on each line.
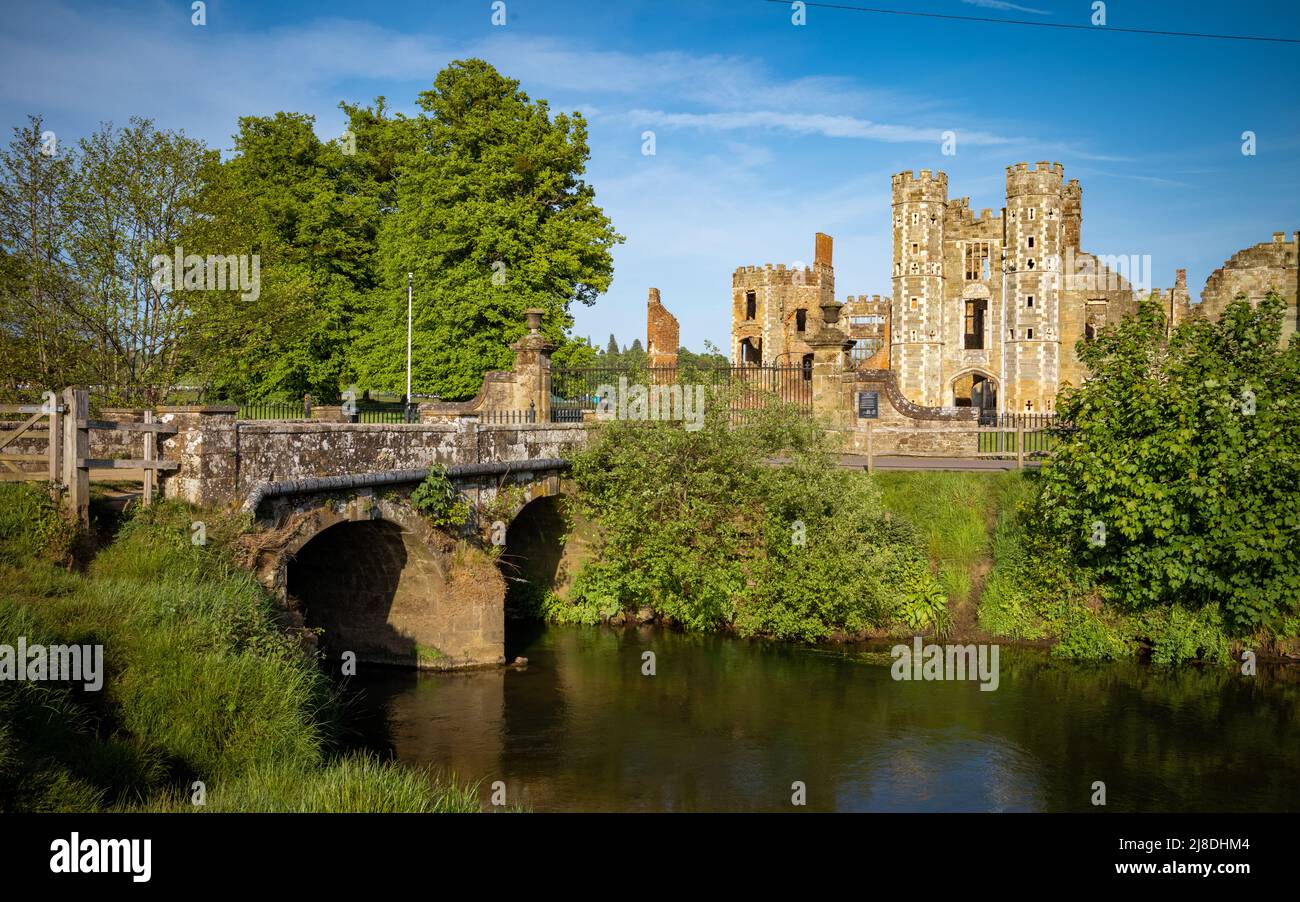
[204, 694]
[998, 581]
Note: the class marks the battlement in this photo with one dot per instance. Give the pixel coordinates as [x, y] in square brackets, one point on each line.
[864, 300]
[926, 186]
[1044, 178]
[777, 274]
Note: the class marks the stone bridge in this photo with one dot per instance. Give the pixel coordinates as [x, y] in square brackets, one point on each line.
[338, 541]
[343, 550]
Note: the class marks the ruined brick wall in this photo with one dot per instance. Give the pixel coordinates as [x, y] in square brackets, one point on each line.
[662, 332]
[779, 295]
[1254, 271]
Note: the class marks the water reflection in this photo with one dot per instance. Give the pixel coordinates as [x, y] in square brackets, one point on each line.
[730, 725]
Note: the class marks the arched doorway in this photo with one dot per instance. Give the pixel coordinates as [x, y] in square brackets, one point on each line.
[976, 389]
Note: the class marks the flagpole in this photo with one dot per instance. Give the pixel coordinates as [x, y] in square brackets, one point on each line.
[409, 281]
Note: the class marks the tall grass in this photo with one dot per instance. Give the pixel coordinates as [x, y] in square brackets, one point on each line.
[955, 514]
[200, 682]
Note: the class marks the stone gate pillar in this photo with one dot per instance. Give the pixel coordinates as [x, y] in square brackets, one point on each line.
[205, 447]
[829, 345]
[532, 370]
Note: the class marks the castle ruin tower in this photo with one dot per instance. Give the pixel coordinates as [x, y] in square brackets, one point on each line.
[662, 333]
[918, 284]
[1035, 251]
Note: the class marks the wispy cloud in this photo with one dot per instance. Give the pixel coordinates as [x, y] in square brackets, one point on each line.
[813, 124]
[1006, 7]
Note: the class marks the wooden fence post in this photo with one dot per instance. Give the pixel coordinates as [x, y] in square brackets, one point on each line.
[150, 454]
[56, 442]
[76, 448]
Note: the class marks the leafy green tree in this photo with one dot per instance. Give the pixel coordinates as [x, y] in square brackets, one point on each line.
[79, 228]
[39, 342]
[492, 217]
[311, 212]
[1179, 485]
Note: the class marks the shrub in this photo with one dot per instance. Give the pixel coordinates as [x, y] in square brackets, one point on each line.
[439, 500]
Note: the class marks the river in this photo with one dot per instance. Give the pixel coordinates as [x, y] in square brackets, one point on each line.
[728, 724]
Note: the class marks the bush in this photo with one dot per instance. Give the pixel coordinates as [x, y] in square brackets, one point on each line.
[700, 528]
[1187, 455]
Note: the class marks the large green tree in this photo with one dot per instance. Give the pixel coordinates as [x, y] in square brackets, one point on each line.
[310, 211]
[492, 217]
[1179, 485]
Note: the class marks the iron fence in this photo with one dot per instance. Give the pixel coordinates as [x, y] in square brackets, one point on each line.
[272, 410]
[575, 389]
[508, 417]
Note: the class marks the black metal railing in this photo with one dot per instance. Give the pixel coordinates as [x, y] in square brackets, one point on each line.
[576, 389]
[508, 417]
[273, 410]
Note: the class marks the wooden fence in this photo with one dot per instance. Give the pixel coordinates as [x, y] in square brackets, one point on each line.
[66, 461]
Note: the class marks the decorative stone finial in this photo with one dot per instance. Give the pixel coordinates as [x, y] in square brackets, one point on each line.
[534, 317]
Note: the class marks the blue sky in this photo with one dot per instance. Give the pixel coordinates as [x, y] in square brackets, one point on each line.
[765, 132]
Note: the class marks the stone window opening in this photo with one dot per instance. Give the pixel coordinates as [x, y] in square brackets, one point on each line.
[916, 248]
[1029, 301]
[1031, 240]
[1031, 263]
[975, 311]
[1029, 406]
[976, 256]
[751, 304]
[801, 319]
[1030, 334]
[807, 367]
[916, 303]
[1013, 334]
[1031, 212]
[751, 351]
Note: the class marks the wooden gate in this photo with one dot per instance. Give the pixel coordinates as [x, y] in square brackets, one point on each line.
[66, 460]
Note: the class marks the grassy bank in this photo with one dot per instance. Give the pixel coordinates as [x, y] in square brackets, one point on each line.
[1002, 583]
[200, 683]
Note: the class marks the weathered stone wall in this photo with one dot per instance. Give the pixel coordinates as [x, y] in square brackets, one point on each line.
[1254, 271]
[222, 459]
[925, 431]
[379, 581]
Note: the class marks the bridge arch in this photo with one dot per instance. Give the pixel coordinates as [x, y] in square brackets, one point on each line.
[378, 580]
